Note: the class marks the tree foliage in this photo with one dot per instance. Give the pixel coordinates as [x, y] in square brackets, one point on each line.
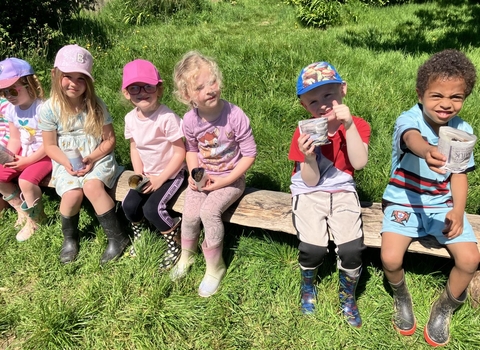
[27, 25]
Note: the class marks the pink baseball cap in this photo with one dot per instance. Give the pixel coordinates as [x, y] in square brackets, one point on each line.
[74, 59]
[140, 71]
[12, 69]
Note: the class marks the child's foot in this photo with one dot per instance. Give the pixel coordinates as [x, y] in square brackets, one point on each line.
[180, 270]
[211, 282]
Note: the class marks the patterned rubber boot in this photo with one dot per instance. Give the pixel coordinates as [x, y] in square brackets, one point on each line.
[437, 330]
[348, 285]
[215, 271]
[137, 228]
[35, 216]
[172, 254]
[403, 318]
[308, 291]
[70, 246]
[15, 202]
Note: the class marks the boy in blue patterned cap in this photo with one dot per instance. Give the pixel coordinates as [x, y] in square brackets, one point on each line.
[324, 199]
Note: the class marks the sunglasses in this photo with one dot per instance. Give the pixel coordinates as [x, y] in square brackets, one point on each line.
[136, 89]
[11, 91]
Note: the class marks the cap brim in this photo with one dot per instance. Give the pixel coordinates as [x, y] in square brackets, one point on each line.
[76, 70]
[144, 80]
[317, 84]
[8, 82]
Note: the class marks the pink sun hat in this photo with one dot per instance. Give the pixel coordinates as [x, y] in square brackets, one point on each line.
[74, 59]
[12, 69]
[140, 71]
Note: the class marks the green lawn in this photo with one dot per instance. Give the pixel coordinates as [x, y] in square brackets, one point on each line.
[260, 49]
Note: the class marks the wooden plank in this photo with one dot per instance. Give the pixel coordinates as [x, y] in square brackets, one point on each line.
[271, 210]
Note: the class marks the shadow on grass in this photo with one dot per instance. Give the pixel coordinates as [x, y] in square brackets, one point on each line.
[419, 264]
[452, 24]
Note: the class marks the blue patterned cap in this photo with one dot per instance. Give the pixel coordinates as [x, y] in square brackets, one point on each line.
[315, 75]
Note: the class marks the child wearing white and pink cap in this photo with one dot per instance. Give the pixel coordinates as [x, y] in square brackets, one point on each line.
[157, 153]
[75, 118]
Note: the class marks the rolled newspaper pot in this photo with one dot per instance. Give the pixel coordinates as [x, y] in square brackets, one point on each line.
[317, 128]
[200, 177]
[6, 156]
[457, 146]
[75, 158]
[138, 182]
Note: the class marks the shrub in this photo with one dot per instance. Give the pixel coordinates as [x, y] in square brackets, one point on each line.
[30, 25]
[140, 12]
[325, 13]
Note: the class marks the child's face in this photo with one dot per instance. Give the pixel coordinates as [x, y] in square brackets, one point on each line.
[74, 85]
[319, 101]
[143, 96]
[17, 94]
[442, 100]
[205, 90]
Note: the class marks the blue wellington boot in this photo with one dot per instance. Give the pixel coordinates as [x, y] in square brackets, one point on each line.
[308, 291]
[346, 292]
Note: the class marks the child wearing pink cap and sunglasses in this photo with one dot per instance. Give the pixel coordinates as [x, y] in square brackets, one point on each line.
[157, 153]
[24, 159]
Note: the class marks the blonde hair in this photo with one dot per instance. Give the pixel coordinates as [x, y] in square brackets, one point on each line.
[95, 114]
[33, 86]
[186, 71]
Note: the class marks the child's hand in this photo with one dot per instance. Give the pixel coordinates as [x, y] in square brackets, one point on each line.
[435, 160]
[214, 183]
[453, 224]
[305, 145]
[154, 184]
[342, 113]
[88, 166]
[193, 186]
[19, 163]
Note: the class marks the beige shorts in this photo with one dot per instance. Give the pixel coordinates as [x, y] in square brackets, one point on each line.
[320, 216]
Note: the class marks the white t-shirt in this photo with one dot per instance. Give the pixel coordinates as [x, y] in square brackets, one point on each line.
[26, 121]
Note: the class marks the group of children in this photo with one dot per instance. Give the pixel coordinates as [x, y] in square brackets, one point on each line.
[215, 136]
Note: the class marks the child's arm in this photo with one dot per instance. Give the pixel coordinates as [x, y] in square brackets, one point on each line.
[135, 158]
[308, 168]
[54, 152]
[415, 143]
[357, 150]
[14, 143]
[454, 218]
[104, 148]
[217, 182]
[172, 168]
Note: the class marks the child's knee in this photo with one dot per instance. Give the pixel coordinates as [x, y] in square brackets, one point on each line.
[468, 262]
[350, 253]
[311, 256]
[391, 260]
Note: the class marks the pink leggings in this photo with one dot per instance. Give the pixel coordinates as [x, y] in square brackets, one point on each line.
[207, 208]
[34, 173]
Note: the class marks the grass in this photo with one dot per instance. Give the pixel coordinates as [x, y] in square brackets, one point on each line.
[260, 49]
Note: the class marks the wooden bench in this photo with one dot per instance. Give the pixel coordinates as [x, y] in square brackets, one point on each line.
[271, 210]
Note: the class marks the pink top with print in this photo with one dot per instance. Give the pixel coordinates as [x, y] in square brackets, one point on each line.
[222, 143]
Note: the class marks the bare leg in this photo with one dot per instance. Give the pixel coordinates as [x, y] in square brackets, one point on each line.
[392, 251]
[466, 258]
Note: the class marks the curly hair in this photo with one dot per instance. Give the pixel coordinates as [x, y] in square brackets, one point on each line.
[186, 71]
[447, 64]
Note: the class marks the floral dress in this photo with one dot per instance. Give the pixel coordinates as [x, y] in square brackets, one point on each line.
[106, 169]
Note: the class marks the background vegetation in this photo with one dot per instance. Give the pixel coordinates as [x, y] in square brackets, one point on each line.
[260, 47]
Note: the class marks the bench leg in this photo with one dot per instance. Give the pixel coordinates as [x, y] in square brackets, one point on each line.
[474, 289]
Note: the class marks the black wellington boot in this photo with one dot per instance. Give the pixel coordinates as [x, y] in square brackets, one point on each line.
[403, 317]
[70, 238]
[116, 235]
[437, 330]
